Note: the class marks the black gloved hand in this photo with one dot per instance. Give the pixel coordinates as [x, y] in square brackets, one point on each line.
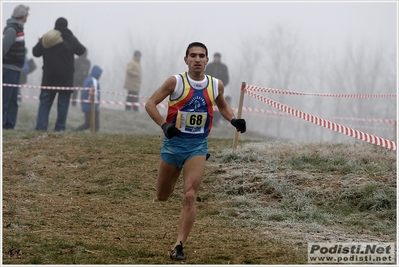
[240, 124]
[170, 130]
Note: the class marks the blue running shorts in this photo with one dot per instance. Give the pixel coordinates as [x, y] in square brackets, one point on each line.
[177, 150]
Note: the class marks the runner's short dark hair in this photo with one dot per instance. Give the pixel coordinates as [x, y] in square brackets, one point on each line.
[195, 44]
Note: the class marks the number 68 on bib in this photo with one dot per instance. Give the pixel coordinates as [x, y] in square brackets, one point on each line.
[191, 122]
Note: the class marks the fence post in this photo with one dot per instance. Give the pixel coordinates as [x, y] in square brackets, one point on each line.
[93, 109]
[239, 113]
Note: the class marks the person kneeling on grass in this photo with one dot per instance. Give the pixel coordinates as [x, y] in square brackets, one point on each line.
[91, 81]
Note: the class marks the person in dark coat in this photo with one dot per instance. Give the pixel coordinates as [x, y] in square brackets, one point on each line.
[219, 70]
[91, 81]
[58, 48]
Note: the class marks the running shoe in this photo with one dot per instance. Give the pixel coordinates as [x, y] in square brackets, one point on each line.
[177, 253]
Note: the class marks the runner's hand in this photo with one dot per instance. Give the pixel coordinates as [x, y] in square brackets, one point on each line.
[170, 130]
[240, 124]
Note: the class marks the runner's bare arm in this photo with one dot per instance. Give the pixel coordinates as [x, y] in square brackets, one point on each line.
[157, 97]
[222, 105]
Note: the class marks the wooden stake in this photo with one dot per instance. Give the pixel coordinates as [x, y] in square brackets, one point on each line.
[93, 110]
[241, 103]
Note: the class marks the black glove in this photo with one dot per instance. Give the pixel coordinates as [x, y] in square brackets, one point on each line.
[239, 124]
[170, 130]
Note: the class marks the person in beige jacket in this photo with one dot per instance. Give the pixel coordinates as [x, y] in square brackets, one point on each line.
[133, 80]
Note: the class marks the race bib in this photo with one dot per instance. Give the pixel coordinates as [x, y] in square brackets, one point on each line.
[191, 122]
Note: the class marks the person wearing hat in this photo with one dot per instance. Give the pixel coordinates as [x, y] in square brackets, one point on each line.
[133, 80]
[13, 61]
[58, 48]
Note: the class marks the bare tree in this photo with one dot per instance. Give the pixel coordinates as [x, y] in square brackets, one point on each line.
[282, 65]
[363, 70]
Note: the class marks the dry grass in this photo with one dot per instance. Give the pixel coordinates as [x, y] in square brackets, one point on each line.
[78, 198]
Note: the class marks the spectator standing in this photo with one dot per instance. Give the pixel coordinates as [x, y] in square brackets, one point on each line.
[91, 81]
[133, 80]
[218, 70]
[58, 48]
[13, 61]
[187, 125]
[82, 68]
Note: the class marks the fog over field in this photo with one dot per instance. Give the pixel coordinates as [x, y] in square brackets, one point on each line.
[314, 47]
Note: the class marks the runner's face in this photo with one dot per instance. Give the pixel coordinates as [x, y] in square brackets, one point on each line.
[196, 60]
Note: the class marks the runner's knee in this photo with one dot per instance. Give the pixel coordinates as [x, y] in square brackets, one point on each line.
[189, 197]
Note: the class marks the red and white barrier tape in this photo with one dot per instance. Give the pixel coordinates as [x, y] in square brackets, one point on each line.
[247, 87]
[245, 109]
[47, 87]
[123, 94]
[71, 88]
[288, 117]
[122, 103]
[327, 124]
[260, 112]
[280, 91]
[269, 112]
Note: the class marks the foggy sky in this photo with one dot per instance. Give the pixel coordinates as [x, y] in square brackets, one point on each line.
[104, 26]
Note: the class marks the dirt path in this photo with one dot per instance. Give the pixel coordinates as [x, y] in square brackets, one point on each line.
[73, 199]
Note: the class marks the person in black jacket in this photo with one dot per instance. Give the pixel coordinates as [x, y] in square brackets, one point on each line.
[58, 48]
[218, 70]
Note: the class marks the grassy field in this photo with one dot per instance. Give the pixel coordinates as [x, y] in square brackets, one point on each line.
[82, 198]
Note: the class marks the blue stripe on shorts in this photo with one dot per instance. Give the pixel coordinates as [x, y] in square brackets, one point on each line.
[177, 150]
